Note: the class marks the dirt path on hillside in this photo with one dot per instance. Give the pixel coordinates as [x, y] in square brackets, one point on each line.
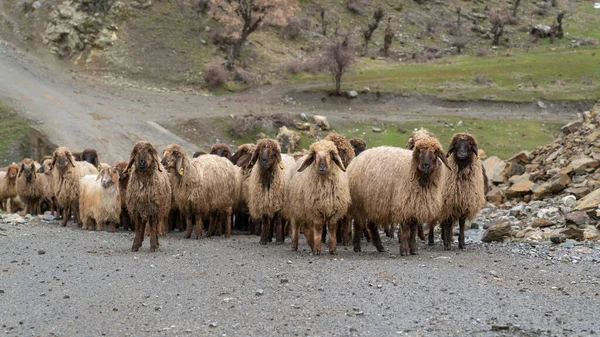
[79, 110]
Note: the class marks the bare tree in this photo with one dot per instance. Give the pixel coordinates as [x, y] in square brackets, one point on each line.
[243, 17]
[323, 22]
[458, 23]
[368, 33]
[516, 8]
[340, 56]
[497, 30]
[387, 38]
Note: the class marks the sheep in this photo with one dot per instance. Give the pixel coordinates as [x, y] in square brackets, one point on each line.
[84, 168]
[148, 193]
[100, 200]
[241, 159]
[66, 183]
[464, 192]
[77, 156]
[202, 187]
[45, 177]
[29, 187]
[124, 220]
[90, 156]
[198, 154]
[8, 187]
[358, 145]
[394, 185]
[266, 187]
[318, 195]
[221, 150]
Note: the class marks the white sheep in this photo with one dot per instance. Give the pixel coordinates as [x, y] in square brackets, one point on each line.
[100, 200]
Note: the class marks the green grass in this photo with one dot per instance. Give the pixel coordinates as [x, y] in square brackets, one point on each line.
[562, 74]
[13, 130]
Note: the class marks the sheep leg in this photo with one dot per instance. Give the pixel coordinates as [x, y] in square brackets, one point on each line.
[139, 234]
[324, 235]
[113, 226]
[212, 225]
[461, 234]
[430, 238]
[264, 231]
[375, 238]
[189, 227]
[317, 234]
[358, 232]
[403, 236]
[65, 218]
[153, 233]
[332, 225]
[228, 223]
[99, 225]
[295, 233]
[279, 237]
[421, 232]
[197, 233]
[447, 233]
[218, 223]
[310, 237]
[413, 236]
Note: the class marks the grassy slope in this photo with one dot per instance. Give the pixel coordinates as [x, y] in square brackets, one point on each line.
[13, 130]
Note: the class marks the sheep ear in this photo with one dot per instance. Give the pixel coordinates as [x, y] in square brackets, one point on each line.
[179, 164]
[21, 170]
[33, 170]
[338, 161]
[253, 159]
[53, 161]
[451, 147]
[71, 160]
[98, 176]
[131, 160]
[115, 177]
[244, 160]
[307, 162]
[475, 150]
[410, 144]
[444, 159]
[155, 158]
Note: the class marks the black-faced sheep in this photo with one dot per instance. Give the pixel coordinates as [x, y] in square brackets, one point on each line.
[8, 187]
[358, 145]
[464, 192]
[29, 187]
[266, 188]
[100, 200]
[202, 187]
[221, 150]
[66, 183]
[148, 193]
[394, 185]
[318, 195]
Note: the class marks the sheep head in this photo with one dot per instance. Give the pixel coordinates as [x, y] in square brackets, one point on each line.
[345, 149]
[144, 157]
[425, 157]
[28, 169]
[221, 150]
[267, 154]
[61, 158]
[46, 166]
[77, 156]
[91, 156]
[173, 157]
[358, 145]
[324, 153]
[12, 172]
[121, 168]
[422, 133]
[243, 155]
[198, 154]
[108, 176]
[463, 147]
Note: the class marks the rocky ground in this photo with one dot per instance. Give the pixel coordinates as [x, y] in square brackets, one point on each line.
[65, 281]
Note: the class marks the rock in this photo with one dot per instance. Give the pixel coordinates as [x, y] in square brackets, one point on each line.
[541, 222]
[554, 185]
[288, 140]
[591, 233]
[593, 136]
[376, 130]
[304, 117]
[544, 4]
[569, 201]
[260, 292]
[542, 105]
[523, 157]
[352, 94]
[321, 122]
[303, 126]
[521, 186]
[495, 195]
[365, 90]
[36, 5]
[578, 218]
[583, 164]
[261, 135]
[568, 244]
[494, 168]
[557, 238]
[578, 192]
[547, 212]
[571, 232]
[589, 202]
[497, 232]
[41, 252]
[571, 127]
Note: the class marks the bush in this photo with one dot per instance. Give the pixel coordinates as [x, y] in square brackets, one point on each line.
[243, 125]
[482, 52]
[294, 28]
[219, 37]
[200, 6]
[214, 74]
[315, 65]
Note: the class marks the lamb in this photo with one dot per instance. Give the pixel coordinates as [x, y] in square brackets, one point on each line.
[358, 145]
[66, 183]
[202, 187]
[8, 187]
[100, 200]
[221, 150]
[266, 187]
[318, 195]
[394, 185]
[45, 177]
[124, 220]
[29, 187]
[241, 159]
[148, 193]
[464, 192]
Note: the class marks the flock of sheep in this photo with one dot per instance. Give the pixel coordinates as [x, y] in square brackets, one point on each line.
[337, 187]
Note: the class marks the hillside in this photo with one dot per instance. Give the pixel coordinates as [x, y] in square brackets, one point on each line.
[168, 43]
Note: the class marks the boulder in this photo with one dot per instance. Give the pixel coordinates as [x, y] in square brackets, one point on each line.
[578, 218]
[569, 232]
[578, 192]
[520, 187]
[590, 202]
[554, 185]
[583, 164]
[495, 195]
[494, 168]
[571, 127]
[523, 157]
[352, 94]
[321, 122]
[569, 201]
[497, 232]
[541, 222]
[288, 140]
[591, 233]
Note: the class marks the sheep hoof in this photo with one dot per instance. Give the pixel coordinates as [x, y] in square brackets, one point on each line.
[414, 253]
[316, 252]
[461, 247]
[187, 235]
[295, 248]
[357, 249]
[263, 242]
[380, 249]
[278, 242]
[333, 252]
[135, 249]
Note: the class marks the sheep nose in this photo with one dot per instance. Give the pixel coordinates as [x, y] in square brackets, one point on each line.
[164, 162]
[425, 167]
[322, 168]
[462, 154]
[264, 162]
[141, 163]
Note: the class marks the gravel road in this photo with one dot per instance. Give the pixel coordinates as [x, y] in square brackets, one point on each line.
[57, 281]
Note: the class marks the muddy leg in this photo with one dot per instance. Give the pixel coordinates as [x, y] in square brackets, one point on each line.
[413, 236]
[113, 226]
[430, 238]
[279, 238]
[65, 216]
[375, 239]
[228, 224]
[461, 234]
[295, 231]
[420, 231]
[199, 228]
[310, 237]
[264, 230]
[447, 233]
[154, 223]
[358, 232]
[332, 225]
[318, 234]
[188, 227]
[139, 234]
[403, 237]
[324, 235]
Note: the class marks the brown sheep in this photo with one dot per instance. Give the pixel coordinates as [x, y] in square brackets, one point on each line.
[198, 154]
[318, 195]
[394, 185]
[77, 156]
[358, 145]
[66, 183]
[203, 187]
[465, 187]
[91, 156]
[29, 187]
[241, 159]
[221, 150]
[124, 220]
[45, 176]
[266, 187]
[8, 187]
[148, 193]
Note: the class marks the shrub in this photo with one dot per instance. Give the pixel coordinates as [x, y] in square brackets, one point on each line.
[293, 29]
[482, 52]
[214, 74]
